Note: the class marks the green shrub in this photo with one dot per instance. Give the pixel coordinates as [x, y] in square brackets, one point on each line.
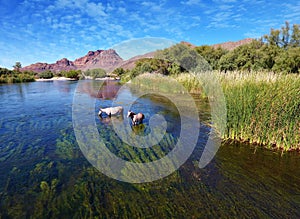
[9, 76]
[72, 74]
[95, 73]
[46, 74]
[119, 72]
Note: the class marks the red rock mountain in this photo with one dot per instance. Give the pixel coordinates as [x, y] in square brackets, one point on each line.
[232, 45]
[130, 63]
[109, 59]
[63, 64]
[105, 59]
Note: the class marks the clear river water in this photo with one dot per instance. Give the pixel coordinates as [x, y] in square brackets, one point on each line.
[44, 174]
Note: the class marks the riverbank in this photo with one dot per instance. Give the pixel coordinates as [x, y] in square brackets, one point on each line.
[263, 109]
[107, 78]
[10, 77]
[56, 79]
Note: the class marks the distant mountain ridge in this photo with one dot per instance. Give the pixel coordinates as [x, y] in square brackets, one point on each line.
[232, 45]
[109, 59]
[105, 59]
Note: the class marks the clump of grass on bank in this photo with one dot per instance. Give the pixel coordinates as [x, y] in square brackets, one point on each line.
[156, 82]
[262, 108]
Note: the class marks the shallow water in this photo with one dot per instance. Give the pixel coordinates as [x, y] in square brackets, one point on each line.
[43, 172]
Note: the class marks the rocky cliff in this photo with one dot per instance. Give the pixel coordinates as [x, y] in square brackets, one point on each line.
[63, 64]
[105, 59]
[232, 45]
[83, 61]
[109, 59]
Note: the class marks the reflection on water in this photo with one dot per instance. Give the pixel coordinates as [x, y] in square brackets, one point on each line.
[108, 120]
[100, 89]
[43, 173]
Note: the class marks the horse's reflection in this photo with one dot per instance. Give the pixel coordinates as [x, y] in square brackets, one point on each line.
[108, 120]
[120, 123]
[139, 129]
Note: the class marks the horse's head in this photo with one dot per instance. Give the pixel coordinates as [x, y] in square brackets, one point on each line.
[130, 114]
[100, 112]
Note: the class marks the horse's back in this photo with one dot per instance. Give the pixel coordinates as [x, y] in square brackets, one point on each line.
[140, 116]
[112, 110]
[117, 109]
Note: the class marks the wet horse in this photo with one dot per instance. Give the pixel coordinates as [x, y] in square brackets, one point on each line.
[136, 118]
[111, 111]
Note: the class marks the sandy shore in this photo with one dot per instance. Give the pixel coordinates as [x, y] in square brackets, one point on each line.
[107, 78]
[56, 79]
[72, 79]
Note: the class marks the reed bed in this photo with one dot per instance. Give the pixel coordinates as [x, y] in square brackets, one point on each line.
[262, 108]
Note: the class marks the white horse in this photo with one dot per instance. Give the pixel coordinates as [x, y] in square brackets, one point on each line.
[111, 111]
[136, 118]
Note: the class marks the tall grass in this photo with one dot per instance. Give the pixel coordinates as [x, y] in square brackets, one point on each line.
[262, 108]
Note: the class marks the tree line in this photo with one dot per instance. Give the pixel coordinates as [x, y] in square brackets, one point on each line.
[278, 51]
[17, 75]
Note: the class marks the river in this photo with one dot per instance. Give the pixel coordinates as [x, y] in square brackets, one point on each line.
[44, 173]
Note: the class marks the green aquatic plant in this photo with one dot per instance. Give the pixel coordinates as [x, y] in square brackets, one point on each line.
[45, 175]
[66, 146]
[262, 108]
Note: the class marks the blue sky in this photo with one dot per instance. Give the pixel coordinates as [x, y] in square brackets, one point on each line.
[47, 30]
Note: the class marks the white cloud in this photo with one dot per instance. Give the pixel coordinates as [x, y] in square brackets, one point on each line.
[229, 1]
[133, 47]
[69, 25]
[84, 6]
[192, 2]
[62, 4]
[291, 12]
[122, 10]
[253, 34]
[224, 1]
[225, 7]
[153, 6]
[95, 10]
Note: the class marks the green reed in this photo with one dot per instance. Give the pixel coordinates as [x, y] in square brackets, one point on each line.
[262, 108]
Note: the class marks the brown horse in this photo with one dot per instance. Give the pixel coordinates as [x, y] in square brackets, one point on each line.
[136, 118]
